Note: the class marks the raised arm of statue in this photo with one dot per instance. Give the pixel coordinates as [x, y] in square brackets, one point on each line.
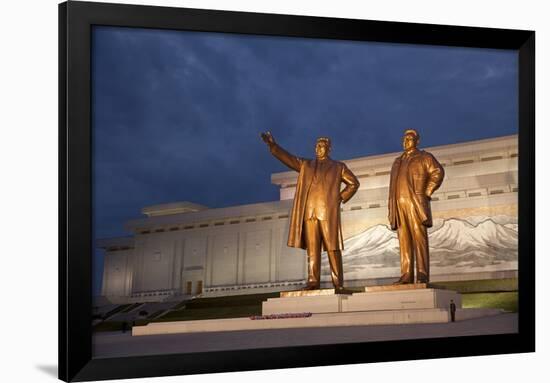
[352, 184]
[292, 161]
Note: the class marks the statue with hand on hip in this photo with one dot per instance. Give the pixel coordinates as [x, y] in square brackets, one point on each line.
[415, 175]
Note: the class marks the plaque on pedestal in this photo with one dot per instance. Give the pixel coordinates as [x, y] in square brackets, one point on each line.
[408, 286]
[312, 293]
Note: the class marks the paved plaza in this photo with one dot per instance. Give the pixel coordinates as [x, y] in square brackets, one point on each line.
[118, 344]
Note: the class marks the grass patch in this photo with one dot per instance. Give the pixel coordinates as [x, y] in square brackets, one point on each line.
[211, 313]
[507, 301]
[131, 307]
[236, 306]
[108, 326]
[116, 310]
[117, 325]
[486, 285]
[180, 305]
[229, 301]
[156, 313]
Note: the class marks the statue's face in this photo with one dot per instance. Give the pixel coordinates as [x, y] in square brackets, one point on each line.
[409, 141]
[321, 150]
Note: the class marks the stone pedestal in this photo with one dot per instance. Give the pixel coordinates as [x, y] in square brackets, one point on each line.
[401, 297]
[305, 301]
[378, 305]
[375, 298]
[346, 319]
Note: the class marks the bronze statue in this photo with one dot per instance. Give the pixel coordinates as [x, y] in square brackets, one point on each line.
[415, 175]
[315, 217]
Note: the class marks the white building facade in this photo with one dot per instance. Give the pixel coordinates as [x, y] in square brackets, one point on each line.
[188, 249]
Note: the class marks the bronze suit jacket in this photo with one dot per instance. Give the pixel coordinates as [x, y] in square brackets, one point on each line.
[334, 173]
[425, 175]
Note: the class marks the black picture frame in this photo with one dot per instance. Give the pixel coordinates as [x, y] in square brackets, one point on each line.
[75, 185]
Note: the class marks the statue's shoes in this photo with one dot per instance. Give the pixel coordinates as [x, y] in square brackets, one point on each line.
[342, 290]
[422, 278]
[405, 279]
[312, 287]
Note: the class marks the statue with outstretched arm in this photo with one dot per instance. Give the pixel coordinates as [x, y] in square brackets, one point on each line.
[315, 222]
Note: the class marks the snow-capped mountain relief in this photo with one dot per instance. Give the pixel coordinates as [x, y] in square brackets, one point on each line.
[472, 244]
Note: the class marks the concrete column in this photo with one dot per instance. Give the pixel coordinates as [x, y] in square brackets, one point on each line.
[130, 272]
[209, 261]
[241, 258]
[171, 251]
[177, 269]
[277, 241]
[273, 253]
[127, 272]
[140, 264]
[105, 281]
[137, 269]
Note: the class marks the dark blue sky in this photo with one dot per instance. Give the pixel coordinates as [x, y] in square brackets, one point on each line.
[177, 115]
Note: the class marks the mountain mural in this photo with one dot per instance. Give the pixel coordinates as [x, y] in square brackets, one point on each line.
[457, 245]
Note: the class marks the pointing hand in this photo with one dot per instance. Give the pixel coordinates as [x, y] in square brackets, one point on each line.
[268, 138]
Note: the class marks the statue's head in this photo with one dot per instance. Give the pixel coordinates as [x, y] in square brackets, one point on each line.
[322, 147]
[411, 138]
